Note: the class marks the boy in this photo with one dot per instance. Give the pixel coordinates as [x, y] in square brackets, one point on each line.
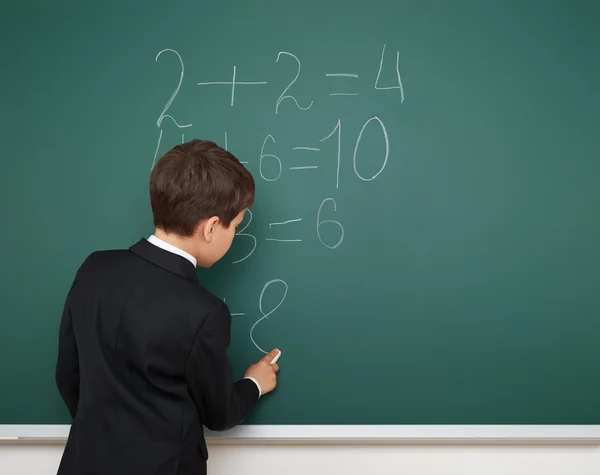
[142, 363]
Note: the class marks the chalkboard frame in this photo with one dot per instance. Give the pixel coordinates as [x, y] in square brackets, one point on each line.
[352, 433]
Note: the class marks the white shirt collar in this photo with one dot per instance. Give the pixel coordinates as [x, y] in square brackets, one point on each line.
[169, 247]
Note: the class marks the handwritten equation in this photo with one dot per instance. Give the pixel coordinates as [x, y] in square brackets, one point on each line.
[243, 233]
[264, 314]
[305, 157]
[283, 96]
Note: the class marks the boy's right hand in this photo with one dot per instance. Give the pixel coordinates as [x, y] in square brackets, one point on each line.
[265, 372]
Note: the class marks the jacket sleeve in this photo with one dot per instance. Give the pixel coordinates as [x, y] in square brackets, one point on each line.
[67, 365]
[222, 403]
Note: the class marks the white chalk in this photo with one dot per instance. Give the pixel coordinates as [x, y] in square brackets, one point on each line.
[274, 360]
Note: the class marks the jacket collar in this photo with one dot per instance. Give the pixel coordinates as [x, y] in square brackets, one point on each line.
[167, 260]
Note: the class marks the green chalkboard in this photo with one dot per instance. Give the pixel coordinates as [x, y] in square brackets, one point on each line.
[425, 242]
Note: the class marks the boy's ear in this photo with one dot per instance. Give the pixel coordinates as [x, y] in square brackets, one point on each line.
[208, 228]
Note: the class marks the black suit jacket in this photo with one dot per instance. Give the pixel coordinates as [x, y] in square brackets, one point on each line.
[142, 366]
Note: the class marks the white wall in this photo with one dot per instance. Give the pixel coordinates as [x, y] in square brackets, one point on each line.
[354, 460]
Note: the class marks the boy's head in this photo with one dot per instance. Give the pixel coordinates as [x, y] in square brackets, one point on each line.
[199, 193]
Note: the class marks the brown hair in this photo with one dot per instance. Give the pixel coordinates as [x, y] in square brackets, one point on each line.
[195, 181]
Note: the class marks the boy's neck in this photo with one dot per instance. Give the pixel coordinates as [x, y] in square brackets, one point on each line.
[184, 243]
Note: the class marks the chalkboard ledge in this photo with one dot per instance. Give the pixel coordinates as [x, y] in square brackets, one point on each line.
[352, 433]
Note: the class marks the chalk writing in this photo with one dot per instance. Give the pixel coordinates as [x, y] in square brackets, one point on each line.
[387, 148]
[264, 155]
[226, 147]
[369, 160]
[331, 221]
[310, 149]
[387, 88]
[160, 134]
[285, 222]
[265, 315]
[251, 236]
[233, 83]
[338, 129]
[234, 314]
[283, 240]
[283, 95]
[164, 114]
[342, 75]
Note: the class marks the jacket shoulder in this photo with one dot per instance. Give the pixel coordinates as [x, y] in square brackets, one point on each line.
[111, 260]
